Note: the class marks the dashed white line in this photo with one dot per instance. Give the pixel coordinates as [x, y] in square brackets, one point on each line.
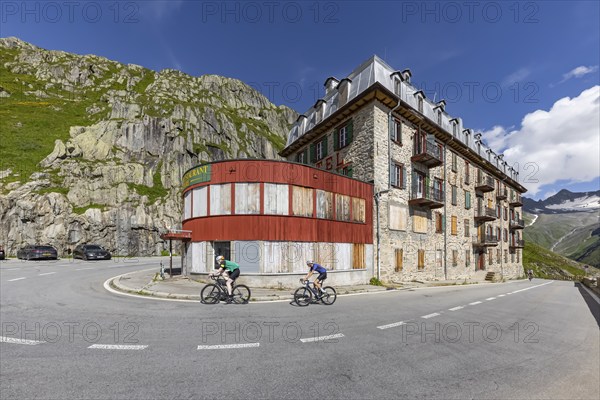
[322, 338]
[16, 279]
[4, 339]
[474, 303]
[456, 308]
[82, 269]
[118, 346]
[430, 315]
[47, 273]
[490, 298]
[501, 295]
[393, 325]
[10, 269]
[228, 346]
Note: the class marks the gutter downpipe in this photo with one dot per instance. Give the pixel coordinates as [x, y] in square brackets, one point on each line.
[377, 197]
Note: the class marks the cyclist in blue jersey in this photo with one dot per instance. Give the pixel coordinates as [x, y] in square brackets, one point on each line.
[314, 267]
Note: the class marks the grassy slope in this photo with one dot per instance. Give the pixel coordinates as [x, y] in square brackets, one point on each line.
[549, 265]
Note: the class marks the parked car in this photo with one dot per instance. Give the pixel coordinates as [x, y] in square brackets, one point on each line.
[2, 253]
[91, 252]
[37, 252]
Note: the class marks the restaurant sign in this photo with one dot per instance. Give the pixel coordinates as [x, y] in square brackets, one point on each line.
[197, 175]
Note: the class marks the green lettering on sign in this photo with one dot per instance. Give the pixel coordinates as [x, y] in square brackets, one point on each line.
[197, 175]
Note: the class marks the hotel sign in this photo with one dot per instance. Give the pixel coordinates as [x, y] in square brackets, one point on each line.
[197, 175]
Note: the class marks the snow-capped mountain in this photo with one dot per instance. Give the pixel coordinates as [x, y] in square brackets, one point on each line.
[563, 201]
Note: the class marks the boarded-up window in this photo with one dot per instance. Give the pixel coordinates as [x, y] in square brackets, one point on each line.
[343, 256]
[199, 202]
[438, 222]
[275, 258]
[454, 225]
[358, 256]
[276, 199]
[498, 255]
[490, 257]
[398, 215]
[454, 258]
[247, 198]
[342, 207]
[421, 259]
[247, 255]
[358, 210]
[420, 221]
[187, 205]
[302, 201]
[324, 204]
[399, 259]
[220, 199]
[324, 254]
[438, 258]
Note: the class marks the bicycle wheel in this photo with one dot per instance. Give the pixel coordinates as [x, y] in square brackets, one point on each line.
[210, 294]
[241, 294]
[302, 296]
[330, 295]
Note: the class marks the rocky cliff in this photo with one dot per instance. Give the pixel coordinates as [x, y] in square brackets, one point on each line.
[92, 150]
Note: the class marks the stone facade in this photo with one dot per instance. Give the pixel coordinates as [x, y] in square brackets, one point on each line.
[456, 237]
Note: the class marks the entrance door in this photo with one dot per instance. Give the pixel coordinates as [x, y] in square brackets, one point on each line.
[481, 261]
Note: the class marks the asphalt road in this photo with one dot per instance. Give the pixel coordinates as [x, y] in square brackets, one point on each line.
[65, 337]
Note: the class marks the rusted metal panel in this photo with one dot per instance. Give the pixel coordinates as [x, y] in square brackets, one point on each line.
[199, 202]
[324, 204]
[247, 198]
[276, 199]
[220, 199]
[342, 207]
[302, 201]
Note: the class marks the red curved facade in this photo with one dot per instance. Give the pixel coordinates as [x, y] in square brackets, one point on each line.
[269, 227]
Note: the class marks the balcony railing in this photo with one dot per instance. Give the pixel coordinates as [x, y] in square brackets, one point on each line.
[518, 243]
[485, 183]
[517, 224]
[429, 155]
[501, 194]
[485, 240]
[485, 214]
[516, 200]
[428, 196]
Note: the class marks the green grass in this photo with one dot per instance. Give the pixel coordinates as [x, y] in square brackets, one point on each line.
[548, 265]
[82, 210]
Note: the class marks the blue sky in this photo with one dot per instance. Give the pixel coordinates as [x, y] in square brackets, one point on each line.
[523, 72]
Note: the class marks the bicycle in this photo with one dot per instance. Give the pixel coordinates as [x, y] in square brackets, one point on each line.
[303, 296]
[213, 293]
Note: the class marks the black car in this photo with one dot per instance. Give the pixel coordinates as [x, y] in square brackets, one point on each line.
[37, 252]
[2, 254]
[91, 252]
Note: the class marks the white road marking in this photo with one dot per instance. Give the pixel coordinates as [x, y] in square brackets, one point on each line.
[474, 303]
[16, 279]
[47, 273]
[388, 326]
[228, 346]
[456, 308]
[4, 339]
[82, 269]
[118, 346]
[490, 298]
[430, 315]
[10, 269]
[502, 295]
[322, 338]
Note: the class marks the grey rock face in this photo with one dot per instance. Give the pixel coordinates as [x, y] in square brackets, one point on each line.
[116, 180]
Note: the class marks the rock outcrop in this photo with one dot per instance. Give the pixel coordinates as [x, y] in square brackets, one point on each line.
[120, 140]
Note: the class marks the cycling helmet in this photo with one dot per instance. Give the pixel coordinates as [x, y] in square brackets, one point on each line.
[219, 259]
[309, 263]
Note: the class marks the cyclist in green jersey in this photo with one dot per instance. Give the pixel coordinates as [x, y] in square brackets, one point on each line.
[230, 271]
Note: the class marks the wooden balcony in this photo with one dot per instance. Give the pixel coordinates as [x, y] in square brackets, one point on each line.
[485, 240]
[517, 243]
[428, 155]
[485, 183]
[429, 197]
[517, 224]
[501, 194]
[516, 201]
[485, 214]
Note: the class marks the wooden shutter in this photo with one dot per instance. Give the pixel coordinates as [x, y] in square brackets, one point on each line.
[454, 225]
[421, 259]
[349, 134]
[325, 146]
[313, 152]
[399, 257]
[336, 139]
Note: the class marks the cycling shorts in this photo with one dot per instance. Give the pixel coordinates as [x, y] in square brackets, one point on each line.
[322, 276]
[234, 274]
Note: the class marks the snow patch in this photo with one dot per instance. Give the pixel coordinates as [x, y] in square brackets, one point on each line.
[581, 203]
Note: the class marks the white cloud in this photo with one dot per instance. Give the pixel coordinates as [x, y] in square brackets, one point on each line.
[516, 76]
[560, 144]
[579, 72]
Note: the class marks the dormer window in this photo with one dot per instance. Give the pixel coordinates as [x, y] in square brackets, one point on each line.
[420, 104]
[397, 84]
[454, 128]
[439, 117]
